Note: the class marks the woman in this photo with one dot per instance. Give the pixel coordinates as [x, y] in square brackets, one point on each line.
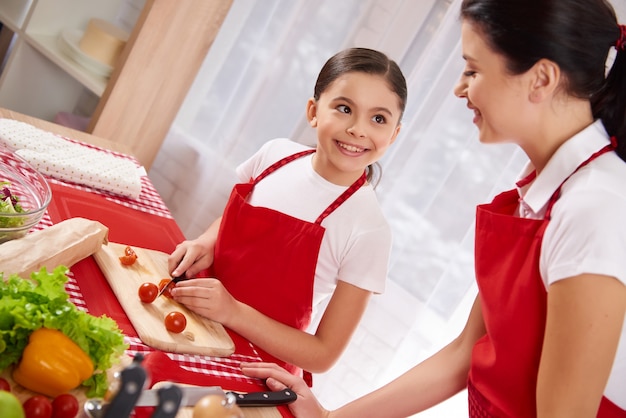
[546, 335]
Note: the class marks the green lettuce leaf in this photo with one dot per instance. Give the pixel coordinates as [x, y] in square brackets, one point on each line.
[27, 305]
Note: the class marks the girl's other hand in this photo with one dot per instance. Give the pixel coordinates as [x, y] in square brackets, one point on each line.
[208, 298]
[277, 378]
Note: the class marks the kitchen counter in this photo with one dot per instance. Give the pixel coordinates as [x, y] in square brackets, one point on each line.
[144, 222]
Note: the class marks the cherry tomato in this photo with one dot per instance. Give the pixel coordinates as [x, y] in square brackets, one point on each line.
[65, 406]
[175, 322]
[168, 292]
[38, 406]
[148, 292]
[129, 257]
[4, 385]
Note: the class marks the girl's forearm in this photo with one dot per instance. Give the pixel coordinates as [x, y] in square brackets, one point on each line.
[282, 341]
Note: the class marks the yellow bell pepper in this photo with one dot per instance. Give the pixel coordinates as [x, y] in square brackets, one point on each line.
[52, 363]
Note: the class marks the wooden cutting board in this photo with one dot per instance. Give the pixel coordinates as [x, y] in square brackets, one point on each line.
[201, 336]
[248, 412]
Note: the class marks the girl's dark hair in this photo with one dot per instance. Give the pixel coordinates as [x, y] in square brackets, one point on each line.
[575, 34]
[363, 60]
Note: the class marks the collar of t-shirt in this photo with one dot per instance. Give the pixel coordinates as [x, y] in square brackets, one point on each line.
[534, 196]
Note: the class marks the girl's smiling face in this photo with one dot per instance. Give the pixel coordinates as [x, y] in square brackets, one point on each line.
[502, 111]
[357, 117]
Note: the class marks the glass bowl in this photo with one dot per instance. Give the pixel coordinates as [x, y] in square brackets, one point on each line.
[31, 190]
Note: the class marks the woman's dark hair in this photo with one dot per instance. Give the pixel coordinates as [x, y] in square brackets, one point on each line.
[363, 60]
[575, 34]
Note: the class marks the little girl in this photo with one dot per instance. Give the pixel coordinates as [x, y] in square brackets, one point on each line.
[304, 224]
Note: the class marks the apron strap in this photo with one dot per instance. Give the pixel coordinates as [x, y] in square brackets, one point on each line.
[342, 198]
[557, 192]
[280, 163]
[331, 208]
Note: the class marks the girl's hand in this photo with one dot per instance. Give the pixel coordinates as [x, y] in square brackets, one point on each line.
[208, 298]
[190, 257]
[277, 378]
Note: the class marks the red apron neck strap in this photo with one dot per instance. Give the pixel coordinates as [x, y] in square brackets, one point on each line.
[342, 198]
[280, 163]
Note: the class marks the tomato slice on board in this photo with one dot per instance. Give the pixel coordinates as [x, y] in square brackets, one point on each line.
[129, 257]
[168, 291]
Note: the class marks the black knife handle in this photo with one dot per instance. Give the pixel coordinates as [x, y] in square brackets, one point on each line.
[133, 379]
[170, 398]
[265, 398]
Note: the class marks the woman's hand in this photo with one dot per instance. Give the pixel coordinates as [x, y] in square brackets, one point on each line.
[277, 378]
[208, 298]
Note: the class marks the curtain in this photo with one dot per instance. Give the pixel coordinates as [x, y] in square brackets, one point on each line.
[253, 86]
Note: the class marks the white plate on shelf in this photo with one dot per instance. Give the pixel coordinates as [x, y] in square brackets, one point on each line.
[69, 41]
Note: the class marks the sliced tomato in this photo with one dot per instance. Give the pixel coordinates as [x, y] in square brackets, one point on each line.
[168, 291]
[129, 257]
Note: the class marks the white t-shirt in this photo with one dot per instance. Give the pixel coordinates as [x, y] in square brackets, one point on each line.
[357, 241]
[587, 232]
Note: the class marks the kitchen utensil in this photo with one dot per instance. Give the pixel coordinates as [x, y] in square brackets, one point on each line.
[192, 394]
[169, 284]
[168, 400]
[163, 371]
[132, 381]
[201, 335]
[94, 408]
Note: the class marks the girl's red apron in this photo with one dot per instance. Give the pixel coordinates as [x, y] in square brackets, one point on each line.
[267, 259]
[505, 362]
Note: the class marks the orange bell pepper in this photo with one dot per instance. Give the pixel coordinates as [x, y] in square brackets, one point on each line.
[52, 363]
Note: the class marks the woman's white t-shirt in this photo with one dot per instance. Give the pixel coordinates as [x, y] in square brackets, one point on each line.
[587, 230]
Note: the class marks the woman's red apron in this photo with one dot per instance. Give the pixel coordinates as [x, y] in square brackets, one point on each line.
[267, 259]
[505, 361]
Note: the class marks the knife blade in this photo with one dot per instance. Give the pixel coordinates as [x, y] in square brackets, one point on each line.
[172, 280]
[192, 394]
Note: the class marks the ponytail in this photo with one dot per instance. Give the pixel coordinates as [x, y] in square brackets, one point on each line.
[609, 103]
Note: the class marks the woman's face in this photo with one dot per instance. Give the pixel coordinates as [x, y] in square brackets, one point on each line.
[357, 118]
[499, 100]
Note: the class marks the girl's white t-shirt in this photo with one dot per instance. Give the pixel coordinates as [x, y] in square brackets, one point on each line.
[357, 241]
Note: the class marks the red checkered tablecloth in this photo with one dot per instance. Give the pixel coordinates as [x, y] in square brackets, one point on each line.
[150, 202]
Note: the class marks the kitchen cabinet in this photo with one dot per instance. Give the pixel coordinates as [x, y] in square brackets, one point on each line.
[39, 78]
[138, 102]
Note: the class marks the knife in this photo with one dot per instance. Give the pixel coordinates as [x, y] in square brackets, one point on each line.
[192, 394]
[133, 379]
[170, 397]
[172, 280]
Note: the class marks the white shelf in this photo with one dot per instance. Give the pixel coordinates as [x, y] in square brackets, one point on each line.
[13, 13]
[48, 46]
[37, 65]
